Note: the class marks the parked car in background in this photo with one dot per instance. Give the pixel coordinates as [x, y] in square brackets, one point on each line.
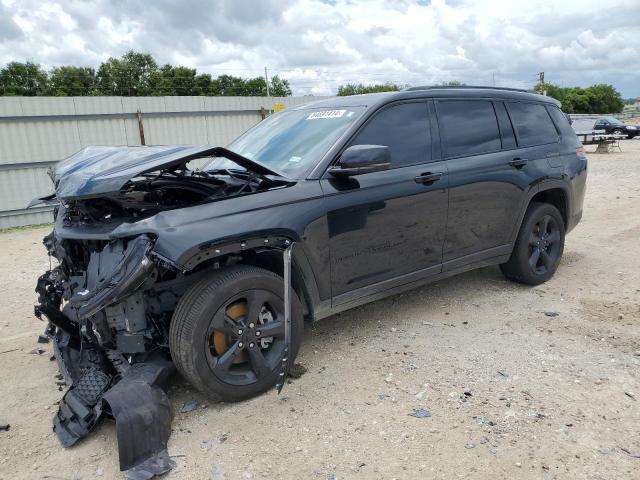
[613, 126]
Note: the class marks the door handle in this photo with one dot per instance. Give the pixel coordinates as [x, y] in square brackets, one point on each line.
[428, 178]
[518, 162]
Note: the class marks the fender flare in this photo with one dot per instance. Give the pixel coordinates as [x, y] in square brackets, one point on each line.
[303, 273]
[544, 185]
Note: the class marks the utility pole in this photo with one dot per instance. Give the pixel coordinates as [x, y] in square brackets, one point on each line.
[266, 79]
[493, 75]
[542, 89]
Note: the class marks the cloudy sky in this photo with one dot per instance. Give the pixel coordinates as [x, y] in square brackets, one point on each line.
[319, 45]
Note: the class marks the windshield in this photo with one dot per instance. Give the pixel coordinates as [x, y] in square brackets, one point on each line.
[612, 120]
[291, 141]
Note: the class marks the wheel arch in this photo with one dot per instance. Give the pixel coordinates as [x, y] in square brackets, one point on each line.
[555, 196]
[555, 192]
[264, 251]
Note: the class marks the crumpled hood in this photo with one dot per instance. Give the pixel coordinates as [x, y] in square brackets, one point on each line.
[96, 171]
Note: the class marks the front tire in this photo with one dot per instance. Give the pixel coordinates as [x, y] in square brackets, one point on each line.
[539, 246]
[617, 131]
[227, 332]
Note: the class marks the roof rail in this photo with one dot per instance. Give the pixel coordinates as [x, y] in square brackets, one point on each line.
[479, 87]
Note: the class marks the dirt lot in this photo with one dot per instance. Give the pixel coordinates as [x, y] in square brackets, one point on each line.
[546, 396]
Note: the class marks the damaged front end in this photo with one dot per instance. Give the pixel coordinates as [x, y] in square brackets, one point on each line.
[98, 302]
[108, 301]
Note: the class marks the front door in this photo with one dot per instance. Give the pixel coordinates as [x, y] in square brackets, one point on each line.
[388, 226]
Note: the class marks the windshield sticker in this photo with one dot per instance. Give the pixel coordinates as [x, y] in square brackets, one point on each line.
[326, 114]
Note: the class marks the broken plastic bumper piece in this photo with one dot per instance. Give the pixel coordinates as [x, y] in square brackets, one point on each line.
[133, 395]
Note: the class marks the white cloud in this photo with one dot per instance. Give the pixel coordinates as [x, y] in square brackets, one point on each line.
[319, 45]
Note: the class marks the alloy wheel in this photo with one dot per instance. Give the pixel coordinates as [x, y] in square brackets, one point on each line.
[245, 339]
[544, 245]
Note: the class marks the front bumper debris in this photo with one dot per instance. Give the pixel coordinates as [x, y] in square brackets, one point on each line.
[108, 306]
[87, 325]
[104, 384]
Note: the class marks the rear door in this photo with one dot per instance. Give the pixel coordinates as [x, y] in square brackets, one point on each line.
[388, 226]
[486, 180]
[496, 150]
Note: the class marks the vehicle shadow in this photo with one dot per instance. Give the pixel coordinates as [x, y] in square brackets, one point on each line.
[338, 332]
[426, 301]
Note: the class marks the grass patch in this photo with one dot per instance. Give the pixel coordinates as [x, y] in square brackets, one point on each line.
[25, 227]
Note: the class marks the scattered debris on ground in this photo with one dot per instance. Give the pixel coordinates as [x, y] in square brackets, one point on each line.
[189, 406]
[296, 371]
[420, 413]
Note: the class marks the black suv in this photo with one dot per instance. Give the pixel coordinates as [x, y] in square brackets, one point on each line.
[315, 210]
[613, 126]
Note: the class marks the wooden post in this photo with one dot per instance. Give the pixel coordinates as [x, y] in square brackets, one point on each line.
[140, 127]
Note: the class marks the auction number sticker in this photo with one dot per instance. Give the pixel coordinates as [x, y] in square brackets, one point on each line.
[326, 114]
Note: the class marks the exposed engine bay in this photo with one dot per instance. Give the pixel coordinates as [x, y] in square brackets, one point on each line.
[166, 189]
[108, 302]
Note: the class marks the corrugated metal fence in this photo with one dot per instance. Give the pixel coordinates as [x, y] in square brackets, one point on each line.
[36, 132]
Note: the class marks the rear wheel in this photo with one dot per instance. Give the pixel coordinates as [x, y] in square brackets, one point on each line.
[539, 246]
[227, 332]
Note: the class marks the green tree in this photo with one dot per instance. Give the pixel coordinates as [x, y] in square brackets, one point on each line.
[72, 81]
[201, 84]
[279, 87]
[134, 74]
[227, 85]
[597, 99]
[359, 88]
[170, 80]
[255, 87]
[605, 99]
[28, 79]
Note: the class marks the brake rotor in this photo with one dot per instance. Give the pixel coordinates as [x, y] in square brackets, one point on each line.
[219, 339]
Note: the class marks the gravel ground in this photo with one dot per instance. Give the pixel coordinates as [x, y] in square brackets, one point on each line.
[512, 391]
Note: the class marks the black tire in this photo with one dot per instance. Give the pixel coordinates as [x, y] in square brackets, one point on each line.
[539, 246]
[197, 322]
[631, 137]
[617, 131]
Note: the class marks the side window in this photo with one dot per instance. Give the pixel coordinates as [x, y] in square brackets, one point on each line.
[468, 127]
[532, 124]
[404, 129]
[561, 122]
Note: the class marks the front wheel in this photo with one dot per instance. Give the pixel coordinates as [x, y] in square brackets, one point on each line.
[227, 334]
[539, 246]
[617, 131]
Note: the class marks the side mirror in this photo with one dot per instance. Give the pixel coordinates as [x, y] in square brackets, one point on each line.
[360, 159]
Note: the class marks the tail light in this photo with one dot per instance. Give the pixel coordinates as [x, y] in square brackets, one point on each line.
[581, 152]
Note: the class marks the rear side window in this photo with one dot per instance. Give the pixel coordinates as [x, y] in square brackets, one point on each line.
[468, 127]
[532, 124]
[404, 129]
[561, 121]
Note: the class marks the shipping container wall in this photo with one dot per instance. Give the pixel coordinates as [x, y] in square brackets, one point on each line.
[37, 132]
